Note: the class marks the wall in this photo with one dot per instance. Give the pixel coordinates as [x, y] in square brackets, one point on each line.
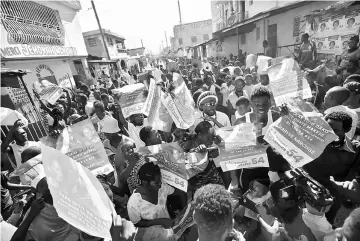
[188, 30]
[96, 48]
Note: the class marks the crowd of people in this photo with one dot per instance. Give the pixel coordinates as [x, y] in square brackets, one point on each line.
[225, 93]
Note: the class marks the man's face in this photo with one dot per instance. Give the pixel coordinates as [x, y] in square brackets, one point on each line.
[99, 113]
[264, 79]
[248, 80]
[243, 109]
[352, 44]
[128, 149]
[209, 107]
[329, 101]
[20, 135]
[338, 128]
[206, 139]
[261, 105]
[155, 138]
[138, 119]
[239, 85]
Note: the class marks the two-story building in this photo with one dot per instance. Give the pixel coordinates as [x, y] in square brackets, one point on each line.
[188, 35]
[244, 25]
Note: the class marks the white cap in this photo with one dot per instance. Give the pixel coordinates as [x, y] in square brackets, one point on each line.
[110, 125]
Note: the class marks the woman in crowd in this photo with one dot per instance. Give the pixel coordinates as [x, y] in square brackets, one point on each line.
[147, 206]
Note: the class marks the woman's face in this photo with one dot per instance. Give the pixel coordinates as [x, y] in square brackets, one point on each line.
[156, 184]
[138, 119]
[206, 139]
[239, 85]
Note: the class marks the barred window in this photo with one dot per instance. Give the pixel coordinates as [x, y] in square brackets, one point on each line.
[193, 39]
[206, 37]
[31, 23]
[91, 42]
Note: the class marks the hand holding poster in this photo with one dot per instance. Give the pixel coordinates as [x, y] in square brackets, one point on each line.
[78, 196]
[240, 150]
[287, 80]
[132, 98]
[47, 91]
[81, 143]
[300, 137]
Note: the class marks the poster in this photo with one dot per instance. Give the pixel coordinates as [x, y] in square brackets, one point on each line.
[82, 143]
[300, 137]
[184, 220]
[47, 91]
[239, 149]
[287, 80]
[78, 196]
[132, 98]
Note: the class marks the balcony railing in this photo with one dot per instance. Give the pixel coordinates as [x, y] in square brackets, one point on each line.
[233, 19]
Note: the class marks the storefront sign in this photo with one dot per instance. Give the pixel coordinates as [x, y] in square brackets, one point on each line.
[26, 50]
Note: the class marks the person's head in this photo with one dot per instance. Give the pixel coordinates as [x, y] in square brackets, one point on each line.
[205, 133]
[137, 119]
[337, 95]
[150, 176]
[128, 148]
[247, 70]
[110, 127]
[43, 191]
[213, 211]
[199, 82]
[305, 38]
[332, 44]
[99, 109]
[336, 24]
[350, 231]
[243, 105]
[169, 76]
[322, 27]
[20, 136]
[340, 122]
[239, 83]
[260, 101]
[150, 136]
[264, 79]
[248, 79]
[237, 71]
[57, 113]
[320, 45]
[85, 89]
[352, 65]
[82, 99]
[354, 99]
[352, 78]
[285, 204]
[228, 79]
[207, 103]
[116, 83]
[353, 42]
[105, 99]
[30, 152]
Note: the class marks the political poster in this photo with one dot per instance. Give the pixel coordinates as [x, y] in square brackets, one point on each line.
[300, 137]
[177, 167]
[287, 81]
[184, 220]
[47, 90]
[131, 98]
[82, 143]
[180, 105]
[239, 149]
[78, 196]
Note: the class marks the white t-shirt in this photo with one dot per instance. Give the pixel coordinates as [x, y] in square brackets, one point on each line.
[222, 118]
[233, 98]
[19, 149]
[352, 113]
[225, 90]
[248, 89]
[134, 133]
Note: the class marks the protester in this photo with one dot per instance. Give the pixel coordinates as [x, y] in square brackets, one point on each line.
[147, 206]
[234, 96]
[352, 52]
[248, 84]
[213, 214]
[308, 54]
[242, 107]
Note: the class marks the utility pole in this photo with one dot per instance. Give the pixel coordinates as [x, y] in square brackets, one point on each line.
[101, 31]
[179, 11]
[142, 45]
[166, 40]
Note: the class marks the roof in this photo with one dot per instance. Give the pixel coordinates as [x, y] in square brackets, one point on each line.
[193, 22]
[335, 8]
[105, 31]
[15, 71]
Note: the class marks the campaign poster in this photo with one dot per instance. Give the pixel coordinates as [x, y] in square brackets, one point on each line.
[288, 81]
[184, 220]
[300, 137]
[239, 149]
[132, 98]
[78, 196]
[47, 90]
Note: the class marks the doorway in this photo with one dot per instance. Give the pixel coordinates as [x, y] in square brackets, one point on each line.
[272, 40]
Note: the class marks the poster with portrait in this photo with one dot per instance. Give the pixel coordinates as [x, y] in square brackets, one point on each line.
[47, 90]
[78, 196]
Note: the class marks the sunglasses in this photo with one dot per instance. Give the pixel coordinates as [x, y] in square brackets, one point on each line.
[209, 104]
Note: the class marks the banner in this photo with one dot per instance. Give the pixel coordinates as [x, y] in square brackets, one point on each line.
[176, 166]
[184, 220]
[240, 149]
[81, 143]
[181, 105]
[262, 63]
[78, 196]
[151, 100]
[300, 137]
[47, 91]
[287, 80]
[132, 98]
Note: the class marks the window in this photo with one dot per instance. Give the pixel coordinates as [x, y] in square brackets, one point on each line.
[180, 41]
[31, 23]
[206, 37]
[296, 26]
[257, 33]
[243, 39]
[251, 2]
[91, 42]
[109, 41]
[193, 39]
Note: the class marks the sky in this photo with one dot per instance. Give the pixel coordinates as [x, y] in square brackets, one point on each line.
[142, 19]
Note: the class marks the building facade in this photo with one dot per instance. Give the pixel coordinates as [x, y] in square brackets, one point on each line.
[190, 34]
[244, 25]
[115, 44]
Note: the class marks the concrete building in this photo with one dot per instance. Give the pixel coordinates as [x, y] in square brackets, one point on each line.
[114, 42]
[190, 35]
[136, 51]
[244, 25]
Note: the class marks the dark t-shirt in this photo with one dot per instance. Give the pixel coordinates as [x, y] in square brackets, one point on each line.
[6, 200]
